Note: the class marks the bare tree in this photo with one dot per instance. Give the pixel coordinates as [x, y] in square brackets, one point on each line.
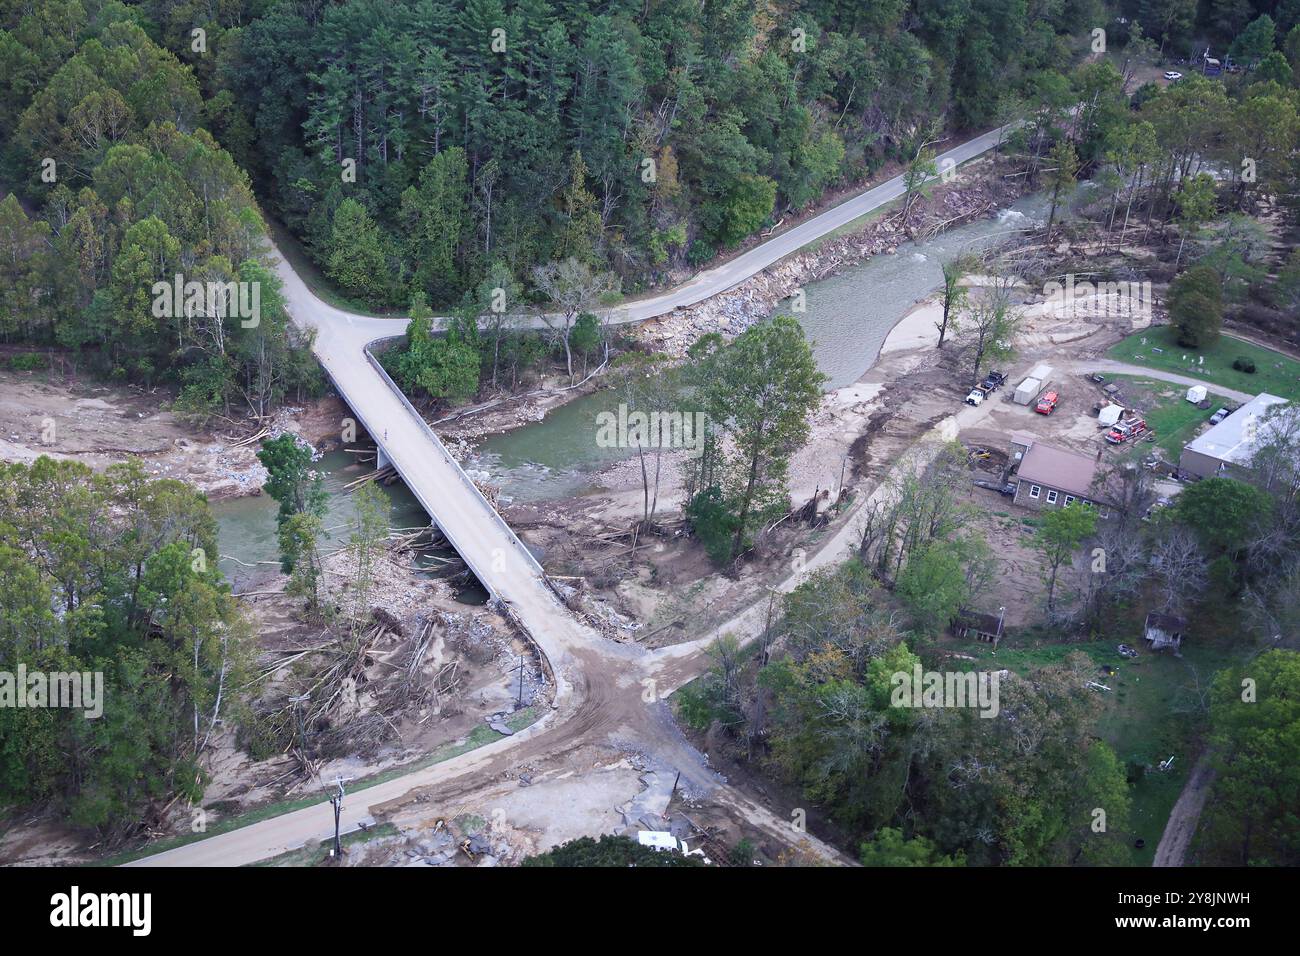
[1179, 566]
[656, 393]
[989, 323]
[954, 293]
[574, 289]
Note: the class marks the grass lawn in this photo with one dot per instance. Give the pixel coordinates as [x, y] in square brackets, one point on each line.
[1150, 713]
[1275, 373]
[318, 854]
[1165, 407]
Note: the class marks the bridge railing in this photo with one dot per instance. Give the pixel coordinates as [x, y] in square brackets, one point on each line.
[455, 465]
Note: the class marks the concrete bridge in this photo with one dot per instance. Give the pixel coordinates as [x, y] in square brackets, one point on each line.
[493, 552]
[486, 543]
[599, 684]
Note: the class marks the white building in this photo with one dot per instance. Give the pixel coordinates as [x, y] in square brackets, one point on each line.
[1233, 442]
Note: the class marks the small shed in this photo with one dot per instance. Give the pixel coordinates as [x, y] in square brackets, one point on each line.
[978, 625]
[1196, 394]
[1164, 631]
[1109, 414]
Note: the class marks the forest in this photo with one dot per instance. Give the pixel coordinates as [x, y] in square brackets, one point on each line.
[426, 155]
[424, 152]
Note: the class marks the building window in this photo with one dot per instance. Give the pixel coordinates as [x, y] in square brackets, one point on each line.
[1034, 490]
[1069, 499]
[1051, 497]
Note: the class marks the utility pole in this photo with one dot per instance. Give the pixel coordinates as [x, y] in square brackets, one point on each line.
[337, 802]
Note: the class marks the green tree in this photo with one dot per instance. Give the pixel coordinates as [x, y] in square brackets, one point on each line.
[1226, 514]
[358, 253]
[760, 391]
[933, 586]
[1196, 201]
[444, 367]
[1255, 42]
[1196, 306]
[748, 205]
[988, 324]
[299, 539]
[130, 564]
[291, 480]
[608, 851]
[1060, 533]
[435, 216]
[954, 294]
[580, 225]
[1255, 740]
[890, 848]
[919, 171]
[1062, 175]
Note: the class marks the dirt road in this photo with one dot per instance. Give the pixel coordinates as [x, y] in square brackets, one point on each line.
[1172, 850]
[605, 692]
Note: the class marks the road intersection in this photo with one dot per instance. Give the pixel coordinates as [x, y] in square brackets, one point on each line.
[600, 686]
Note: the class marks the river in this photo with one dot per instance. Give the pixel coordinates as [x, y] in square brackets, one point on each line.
[847, 318]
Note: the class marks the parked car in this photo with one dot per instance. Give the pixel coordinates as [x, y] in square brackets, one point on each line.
[1219, 416]
[977, 395]
[1008, 488]
[1047, 404]
[994, 380]
[1126, 651]
[1172, 75]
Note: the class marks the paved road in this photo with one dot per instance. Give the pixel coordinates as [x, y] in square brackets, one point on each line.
[1084, 366]
[598, 691]
[737, 270]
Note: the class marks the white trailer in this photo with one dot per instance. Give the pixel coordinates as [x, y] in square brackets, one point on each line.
[1027, 391]
[1039, 377]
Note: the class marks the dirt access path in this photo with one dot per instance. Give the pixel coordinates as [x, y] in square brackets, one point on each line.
[1177, 838]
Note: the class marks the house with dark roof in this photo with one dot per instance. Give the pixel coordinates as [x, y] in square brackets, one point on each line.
[979, 625]
[1052, 477]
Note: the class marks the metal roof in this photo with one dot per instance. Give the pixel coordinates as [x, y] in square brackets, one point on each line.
[1235, 439]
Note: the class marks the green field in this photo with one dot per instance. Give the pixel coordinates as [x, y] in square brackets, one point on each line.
[1151, 712]
[1165, 407]
[1275, 373]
